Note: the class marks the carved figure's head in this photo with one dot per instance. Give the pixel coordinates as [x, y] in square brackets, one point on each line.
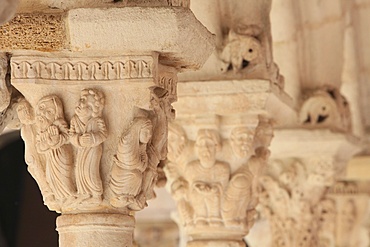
[25, 112]
[207, 144]
[91, 104]
[49, 109]
[241, 140]
[264, 133]
[176, 140]
[159, 100]
[146, 132]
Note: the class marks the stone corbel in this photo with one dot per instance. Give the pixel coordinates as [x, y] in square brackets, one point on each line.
[247, 44]
[325, 108]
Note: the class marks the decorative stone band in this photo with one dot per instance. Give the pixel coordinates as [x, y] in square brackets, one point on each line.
[43, 32]
[100, 69]
[104, 230]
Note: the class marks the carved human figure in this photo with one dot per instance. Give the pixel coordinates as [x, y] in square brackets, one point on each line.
[34, 161]
[130, 162]
[241, 140]
[157, 149]
[52, 141]
[207, 179]
[87, 132]
[179, 151]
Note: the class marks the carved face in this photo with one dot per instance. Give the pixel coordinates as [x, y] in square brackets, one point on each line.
[25, 113]
[45, 114]
[264, 135]
[206, 148]
[176, 144]
[85, 107]
[241, 142]
[155, 103]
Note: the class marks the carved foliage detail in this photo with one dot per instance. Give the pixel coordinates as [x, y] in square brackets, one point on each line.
[207, 192]
[289, 195]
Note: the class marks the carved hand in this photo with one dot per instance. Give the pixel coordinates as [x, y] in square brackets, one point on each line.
[202, 187]
[86, 140]
[53, 134]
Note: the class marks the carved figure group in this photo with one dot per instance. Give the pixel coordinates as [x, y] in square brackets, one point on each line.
[47, 136]
[207, 193]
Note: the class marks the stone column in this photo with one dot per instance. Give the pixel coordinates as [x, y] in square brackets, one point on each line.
[94, 111]
[305, 163]
[218, 148]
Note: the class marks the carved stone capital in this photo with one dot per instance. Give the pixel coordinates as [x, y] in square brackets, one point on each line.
[217, 150]
[213, 178]
[95, 131]
[299, 176]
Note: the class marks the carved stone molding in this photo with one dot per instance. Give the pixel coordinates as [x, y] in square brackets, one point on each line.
[65, 69]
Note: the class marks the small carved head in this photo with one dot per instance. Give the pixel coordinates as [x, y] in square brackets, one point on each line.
[264, 133]
[146, 132]
[25, 112]
[241, 140]
[207, 144]
[49, 109]
[91, 103]
[176, 140]
[158, 95]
